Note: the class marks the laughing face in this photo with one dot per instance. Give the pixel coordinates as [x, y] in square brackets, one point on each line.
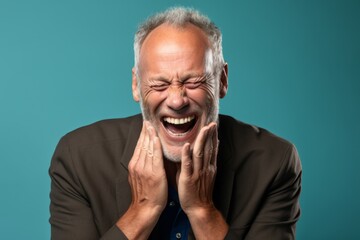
[178, 91]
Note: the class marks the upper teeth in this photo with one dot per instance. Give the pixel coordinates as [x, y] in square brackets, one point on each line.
[177, 121]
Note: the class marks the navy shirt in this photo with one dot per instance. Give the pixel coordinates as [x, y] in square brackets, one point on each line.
[173, 223]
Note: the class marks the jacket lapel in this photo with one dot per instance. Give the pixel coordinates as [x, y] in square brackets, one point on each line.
[225, 171]
[123, 191]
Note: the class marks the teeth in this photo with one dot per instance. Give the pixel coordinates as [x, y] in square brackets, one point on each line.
[177, 121]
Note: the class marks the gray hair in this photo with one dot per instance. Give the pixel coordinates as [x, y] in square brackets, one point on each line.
[179, 17]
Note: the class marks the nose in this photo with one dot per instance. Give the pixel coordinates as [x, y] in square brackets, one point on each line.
[177, 98]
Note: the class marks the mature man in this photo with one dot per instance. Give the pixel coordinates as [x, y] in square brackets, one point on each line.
[180, 170]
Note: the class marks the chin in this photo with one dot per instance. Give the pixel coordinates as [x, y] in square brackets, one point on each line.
[172, 155]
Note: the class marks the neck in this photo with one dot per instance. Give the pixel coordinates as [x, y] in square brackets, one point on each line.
[171, 169]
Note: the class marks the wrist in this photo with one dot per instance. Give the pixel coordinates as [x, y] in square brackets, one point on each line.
[203, 212]
[138, 222]
[207, 221]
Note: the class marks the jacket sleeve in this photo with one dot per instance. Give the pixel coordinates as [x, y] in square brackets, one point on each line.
[70, 212]
[280, 210]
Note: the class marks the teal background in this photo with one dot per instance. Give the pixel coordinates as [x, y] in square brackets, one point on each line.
[294, 69]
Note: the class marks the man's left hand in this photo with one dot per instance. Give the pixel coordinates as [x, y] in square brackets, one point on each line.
[196, 182]
[198, 170]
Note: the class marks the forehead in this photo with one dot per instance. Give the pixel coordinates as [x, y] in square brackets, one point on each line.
[168, 38]
[167, 44]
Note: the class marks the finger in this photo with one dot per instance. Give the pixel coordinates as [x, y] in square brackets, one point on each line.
[144, 148]
[139, 143]
[208, 148]
[186, 162]
[155, 149]
[150, 149]
[158, 162]
[215, 140]
[198, 151]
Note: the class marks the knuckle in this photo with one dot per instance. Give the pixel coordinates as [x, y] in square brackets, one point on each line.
[138, 168]
[212, 169]
[198, 154]
[131, 166]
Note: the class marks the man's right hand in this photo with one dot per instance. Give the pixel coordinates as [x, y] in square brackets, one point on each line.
[149, 187]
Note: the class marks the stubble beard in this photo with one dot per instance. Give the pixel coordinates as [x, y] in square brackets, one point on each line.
[175, 155]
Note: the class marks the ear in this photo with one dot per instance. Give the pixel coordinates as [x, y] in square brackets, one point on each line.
[223, 81]
[134, 86]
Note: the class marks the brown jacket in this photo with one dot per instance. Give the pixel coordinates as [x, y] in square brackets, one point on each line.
[257, 186]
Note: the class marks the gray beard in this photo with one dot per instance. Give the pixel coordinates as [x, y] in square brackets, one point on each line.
[213, 115]
[172, 157]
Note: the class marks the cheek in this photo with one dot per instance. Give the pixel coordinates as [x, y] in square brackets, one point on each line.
[145, 92]
[209, 94]
[203, 96]
[151, 98]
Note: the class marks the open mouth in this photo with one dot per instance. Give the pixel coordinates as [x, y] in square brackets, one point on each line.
[179, 126]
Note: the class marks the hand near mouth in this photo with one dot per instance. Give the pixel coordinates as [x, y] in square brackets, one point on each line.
[148, 184]
[196, 183]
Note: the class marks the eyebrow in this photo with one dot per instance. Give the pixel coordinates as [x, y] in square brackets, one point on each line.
[180, 79]
[159, 78]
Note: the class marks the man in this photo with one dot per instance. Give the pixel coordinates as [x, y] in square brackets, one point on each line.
[181, 170]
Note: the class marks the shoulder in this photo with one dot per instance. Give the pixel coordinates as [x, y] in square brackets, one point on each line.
[104, 146]
[249, 136]
[104, 131]
[251, 145]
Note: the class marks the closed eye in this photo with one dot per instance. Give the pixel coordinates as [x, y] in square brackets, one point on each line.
[192, 84]
[160, 87]
[195, 82]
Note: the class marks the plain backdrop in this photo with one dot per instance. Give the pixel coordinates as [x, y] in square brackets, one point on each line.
[294, 68]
